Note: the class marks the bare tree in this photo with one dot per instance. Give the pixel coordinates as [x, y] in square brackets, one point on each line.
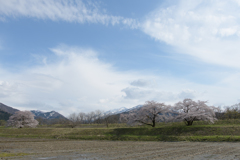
[98, 116]
[85, 118]
[149, 114]
[40, 120]
[220, 114]
[82, 117]
[190, 111]
[106, 118]
[232, 112]
[22, 119]
[62, 121]
[89, 117]
[74, 120]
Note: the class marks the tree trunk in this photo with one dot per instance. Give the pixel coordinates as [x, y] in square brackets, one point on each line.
[154, 122]
[189, 123]
[106, 122]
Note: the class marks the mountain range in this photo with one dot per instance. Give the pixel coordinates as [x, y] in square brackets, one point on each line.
[122, 110]
[47, 115]
[6, 111]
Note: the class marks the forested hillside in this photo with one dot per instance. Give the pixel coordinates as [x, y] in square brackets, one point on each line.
[4, 115]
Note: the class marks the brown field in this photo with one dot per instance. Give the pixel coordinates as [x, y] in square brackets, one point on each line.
[21, 148]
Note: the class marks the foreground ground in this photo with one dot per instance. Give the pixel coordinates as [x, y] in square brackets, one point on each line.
[25, 148]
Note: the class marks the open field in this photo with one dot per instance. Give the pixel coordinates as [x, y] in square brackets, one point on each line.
[22, 148]
[216, 141]
[221, 131]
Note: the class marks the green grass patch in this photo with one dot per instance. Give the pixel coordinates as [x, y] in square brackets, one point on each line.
[225, 130]
[13, 154]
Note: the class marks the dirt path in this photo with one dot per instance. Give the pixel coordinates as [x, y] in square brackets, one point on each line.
[90, 150]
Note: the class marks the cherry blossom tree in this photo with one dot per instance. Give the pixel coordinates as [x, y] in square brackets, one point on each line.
[22, 119]
[190, 111]
[148, 114]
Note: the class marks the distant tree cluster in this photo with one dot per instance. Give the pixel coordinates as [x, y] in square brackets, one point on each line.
[230, 112]
[4, 115]
[149, 114]
[187, 111]
[97, 117]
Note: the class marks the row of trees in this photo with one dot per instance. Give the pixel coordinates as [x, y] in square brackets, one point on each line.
[230, 112]
[187, 111]
[26, 119]
[97, 117]
[149, 114]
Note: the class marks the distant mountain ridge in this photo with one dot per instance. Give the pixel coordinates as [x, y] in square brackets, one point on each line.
[123, 110]
[47, 115]
[7, 109]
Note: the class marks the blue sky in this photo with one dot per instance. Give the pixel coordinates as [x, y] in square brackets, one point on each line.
[73, 56]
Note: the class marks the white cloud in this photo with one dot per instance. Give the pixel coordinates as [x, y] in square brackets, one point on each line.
[142, 83]
[159, 95]
[61, 10]
[7, 89]
[207, 30]
[188, 94]
[77, 80]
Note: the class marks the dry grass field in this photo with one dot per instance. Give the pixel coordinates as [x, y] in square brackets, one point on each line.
[25, 148]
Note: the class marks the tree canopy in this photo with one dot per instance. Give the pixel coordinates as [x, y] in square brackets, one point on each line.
[190, 111]
[22, 119]
[148, 114]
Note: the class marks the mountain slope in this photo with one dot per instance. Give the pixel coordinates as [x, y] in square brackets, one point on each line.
[4, 115]
[7, 109]
[47, 115]
[123, 110]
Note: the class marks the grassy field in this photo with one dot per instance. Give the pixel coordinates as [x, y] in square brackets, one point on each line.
[227, 130]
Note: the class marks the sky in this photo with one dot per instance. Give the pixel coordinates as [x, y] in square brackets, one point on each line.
[85, 55]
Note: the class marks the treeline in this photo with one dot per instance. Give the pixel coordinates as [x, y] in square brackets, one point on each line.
[229, 112]
[99, 117]
[4, 115]
[104, 119]
[94, 117]
[78, 119]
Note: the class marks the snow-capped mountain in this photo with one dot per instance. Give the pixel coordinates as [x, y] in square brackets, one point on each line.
[47, 115]
[122, 110]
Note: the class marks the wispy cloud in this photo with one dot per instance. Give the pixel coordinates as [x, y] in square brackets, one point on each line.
[208, 30]
[61, 10]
